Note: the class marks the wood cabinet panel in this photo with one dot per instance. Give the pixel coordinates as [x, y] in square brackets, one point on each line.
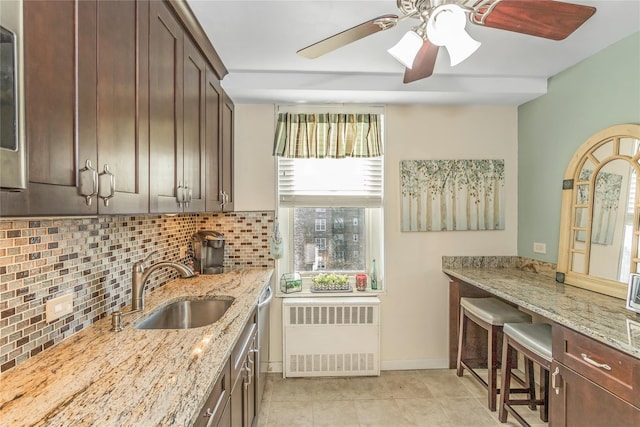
[122, 113]
[195, 74]
[617, 372]
[226, 172]
[580, 402]
[58, 67]
[213, 411]
[82, 92]
[165, 108]
[50, 91]
[213, 100]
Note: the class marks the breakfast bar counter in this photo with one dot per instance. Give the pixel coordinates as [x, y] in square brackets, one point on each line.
[600, 317]
[133, 377]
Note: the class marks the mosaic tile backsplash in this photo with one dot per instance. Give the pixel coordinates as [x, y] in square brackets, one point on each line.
[92, 257]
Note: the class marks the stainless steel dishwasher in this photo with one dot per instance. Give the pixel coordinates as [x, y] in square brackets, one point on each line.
[262, 361]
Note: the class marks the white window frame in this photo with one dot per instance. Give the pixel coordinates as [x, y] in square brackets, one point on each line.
[321, 243]
[374, 216]
[321, 224]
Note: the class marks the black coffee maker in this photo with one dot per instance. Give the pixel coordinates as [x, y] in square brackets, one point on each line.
[208, 250]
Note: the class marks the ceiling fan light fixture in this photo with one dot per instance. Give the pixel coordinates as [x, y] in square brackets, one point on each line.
[407, 48]
[446, 28]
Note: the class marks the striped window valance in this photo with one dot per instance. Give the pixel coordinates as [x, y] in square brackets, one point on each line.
[327, 135]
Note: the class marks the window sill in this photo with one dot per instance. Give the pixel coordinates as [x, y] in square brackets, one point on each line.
[306, 293]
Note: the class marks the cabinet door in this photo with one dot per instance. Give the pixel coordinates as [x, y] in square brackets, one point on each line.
[122, 113]
[249, 401]
[165, 109]
[195, 74]
[213, 100]
[59, 60]
[226, 173]
[236, 409]
[580, 402]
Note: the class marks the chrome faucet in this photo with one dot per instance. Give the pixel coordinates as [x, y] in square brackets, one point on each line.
[140, 276]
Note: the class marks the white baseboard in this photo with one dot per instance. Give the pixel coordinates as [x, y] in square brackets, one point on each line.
[275, 367]
[403, 365]
[391, 365]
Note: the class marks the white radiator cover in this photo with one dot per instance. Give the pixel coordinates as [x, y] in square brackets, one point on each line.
[331, 336]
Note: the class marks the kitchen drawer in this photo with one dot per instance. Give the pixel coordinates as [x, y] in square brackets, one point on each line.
[613, 370]
[242, 347]
[214, 406]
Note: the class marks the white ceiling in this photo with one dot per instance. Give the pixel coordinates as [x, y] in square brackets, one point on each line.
[257, 41]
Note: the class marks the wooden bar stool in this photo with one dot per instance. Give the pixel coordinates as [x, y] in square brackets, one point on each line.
[533, 341]
[490, 314]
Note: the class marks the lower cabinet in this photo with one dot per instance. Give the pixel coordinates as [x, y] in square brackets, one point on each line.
[591, 383]
[232, 401]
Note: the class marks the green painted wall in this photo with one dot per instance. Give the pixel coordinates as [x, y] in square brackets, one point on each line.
[601, 91]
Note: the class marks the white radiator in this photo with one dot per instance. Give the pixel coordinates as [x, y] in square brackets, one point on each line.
[331, 336]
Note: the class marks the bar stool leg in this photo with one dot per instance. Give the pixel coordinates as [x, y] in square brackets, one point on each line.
[531, 383]
[505, 374]
[493, 366]
[462, 331]
[544, 392]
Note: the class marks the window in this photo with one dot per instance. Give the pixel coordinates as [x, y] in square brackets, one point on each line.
[321, 224]
[346, 195]
[321, 243]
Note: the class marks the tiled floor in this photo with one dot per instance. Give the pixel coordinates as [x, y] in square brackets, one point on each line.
[397, 398]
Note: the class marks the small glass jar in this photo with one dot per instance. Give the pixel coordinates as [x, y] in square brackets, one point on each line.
[361, 282]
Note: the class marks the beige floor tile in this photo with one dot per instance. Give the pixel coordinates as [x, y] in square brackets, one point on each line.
[443, 386]
[335, 413]
[406, 387]
[467, 412]
[424, 412]
[290, 414]
[367, 388]
[381, 412]
[332, 389]
[396, 398]
[293, 390]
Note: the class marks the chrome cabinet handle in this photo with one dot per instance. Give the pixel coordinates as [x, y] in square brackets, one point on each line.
[222, 202]
[88, 170]
[555, 374]
[592, 362]
[186, 195]
[180, 194]
[112, 184]
[249, 372]
[209, 413]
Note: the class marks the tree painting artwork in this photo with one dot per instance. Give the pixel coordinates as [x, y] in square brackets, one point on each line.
[452, 195]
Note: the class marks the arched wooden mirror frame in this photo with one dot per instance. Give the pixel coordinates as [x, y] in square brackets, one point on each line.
[571, 202]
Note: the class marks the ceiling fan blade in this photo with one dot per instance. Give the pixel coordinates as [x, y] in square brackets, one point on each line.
[541, 18]
[423, 63]
[358, 32]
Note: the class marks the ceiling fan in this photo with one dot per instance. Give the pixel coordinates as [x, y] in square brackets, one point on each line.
[442, 23]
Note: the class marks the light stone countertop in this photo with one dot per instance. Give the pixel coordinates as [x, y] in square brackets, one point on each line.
[595, 315]
[133, 377]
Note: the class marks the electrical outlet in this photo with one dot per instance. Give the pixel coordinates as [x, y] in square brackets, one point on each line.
[183, 252]
[58, 307]
[539, 248]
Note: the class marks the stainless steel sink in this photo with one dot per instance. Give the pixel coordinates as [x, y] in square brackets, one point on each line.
[186, 314]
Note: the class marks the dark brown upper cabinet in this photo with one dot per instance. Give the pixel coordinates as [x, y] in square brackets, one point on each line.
[226, 154]
[219, 139]
[177, 86]
[213, 101]
[118, 110]
[85, 131]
